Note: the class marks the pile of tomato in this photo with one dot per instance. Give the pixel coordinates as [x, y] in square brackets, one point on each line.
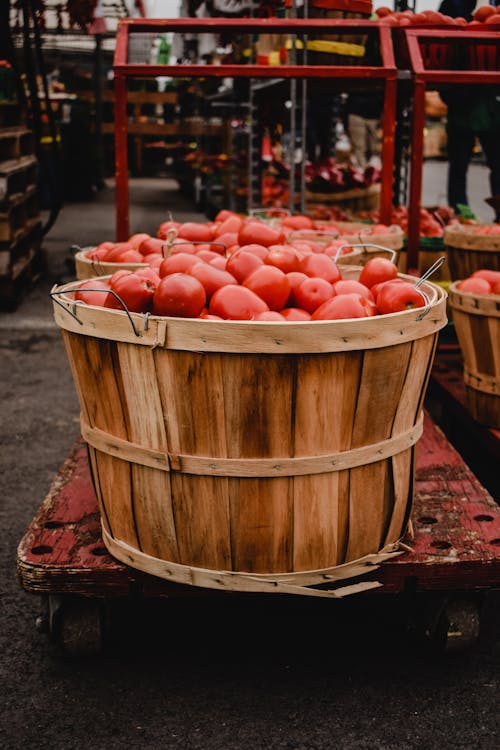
[483, 281]
[486, 14]
[244, 269]
[224, 236]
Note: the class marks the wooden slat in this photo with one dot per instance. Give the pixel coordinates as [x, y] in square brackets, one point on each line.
[150, 488]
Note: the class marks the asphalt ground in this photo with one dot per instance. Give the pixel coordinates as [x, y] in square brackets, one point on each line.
[204, 674]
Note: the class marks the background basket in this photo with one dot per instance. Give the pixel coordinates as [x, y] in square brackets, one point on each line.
[468, 251]
[89, 269]
[477, 323]
[251, 456]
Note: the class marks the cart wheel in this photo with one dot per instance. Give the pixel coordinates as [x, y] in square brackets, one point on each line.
[77, 625]
[456, 624]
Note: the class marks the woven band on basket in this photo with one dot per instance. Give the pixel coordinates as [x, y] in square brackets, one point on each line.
[284, 583]
[250, 467]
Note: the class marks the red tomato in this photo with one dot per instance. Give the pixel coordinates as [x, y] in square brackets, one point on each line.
[136, 239]
[345, 306]
[155, 260]
[151, 245]
[212, 278]
[492, 277]
[377, 287]
[298, 222]
[165, 227]
[346, 286]
[178, 263]
[242, 263]
[113, 255]
[258, 250]
[256, 232]
[219, 262]
[206, 254]
[312, 293]
[85, 293]
[131, 256]
[149, 273]
[496, 288]
[235, 302]
[224, 214]
[183, 246]
[295, 278]
[270, 284]
[207, 316]
[134, 291]
[195, 232]
[283, 257]
[228, 239]
[377, 270]
[98, 253]
[231, 224]
[269, 315]
[321, 266]
[399, 297]
[475, 286]
[295, 314]
[179, 295]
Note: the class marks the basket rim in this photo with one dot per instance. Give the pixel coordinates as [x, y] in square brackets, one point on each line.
[248, 336]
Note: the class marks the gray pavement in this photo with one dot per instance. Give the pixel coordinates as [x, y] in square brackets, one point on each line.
[202, 675]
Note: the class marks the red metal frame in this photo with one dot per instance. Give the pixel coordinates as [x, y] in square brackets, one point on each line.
[423, 76]
[123, 70]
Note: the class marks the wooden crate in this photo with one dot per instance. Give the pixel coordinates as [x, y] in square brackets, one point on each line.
[249, 456]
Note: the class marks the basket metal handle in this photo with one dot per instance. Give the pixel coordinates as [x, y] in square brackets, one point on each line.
[76, 303]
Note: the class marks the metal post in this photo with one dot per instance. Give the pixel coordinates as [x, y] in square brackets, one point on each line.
[417, 154]
[389, 126]
[121, 160]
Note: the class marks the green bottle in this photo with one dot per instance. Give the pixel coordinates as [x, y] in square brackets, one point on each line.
[163, 51]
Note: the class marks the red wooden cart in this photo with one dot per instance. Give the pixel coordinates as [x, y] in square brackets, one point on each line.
[453, 555]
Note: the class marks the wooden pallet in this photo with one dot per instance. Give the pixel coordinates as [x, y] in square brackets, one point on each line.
[456, 542]
[23, 272]
[17, 215]
[15, 142]
[16, 175]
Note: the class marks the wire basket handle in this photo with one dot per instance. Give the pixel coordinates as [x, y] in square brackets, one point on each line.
[76, 303]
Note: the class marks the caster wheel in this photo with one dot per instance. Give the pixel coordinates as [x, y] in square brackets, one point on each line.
[76, 625]
[459, 624]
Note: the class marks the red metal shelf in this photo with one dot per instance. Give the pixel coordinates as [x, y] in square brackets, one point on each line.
[423, 75]
[386, 72]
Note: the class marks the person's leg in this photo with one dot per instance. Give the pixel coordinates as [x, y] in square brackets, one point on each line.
[357, 136]
[460, 146]
[490, 144]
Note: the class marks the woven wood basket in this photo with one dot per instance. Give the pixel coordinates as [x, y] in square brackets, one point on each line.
[477, 323]
[469, 252]
[355, 200]
[251, 456]
[89, 269]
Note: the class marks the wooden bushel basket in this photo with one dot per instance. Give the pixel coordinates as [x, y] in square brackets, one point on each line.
[252, 456]
[89, 269]
[468, 252]
[477, 323]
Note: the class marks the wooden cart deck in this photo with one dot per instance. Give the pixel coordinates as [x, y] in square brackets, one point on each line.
[456, 543]
[479, 445]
